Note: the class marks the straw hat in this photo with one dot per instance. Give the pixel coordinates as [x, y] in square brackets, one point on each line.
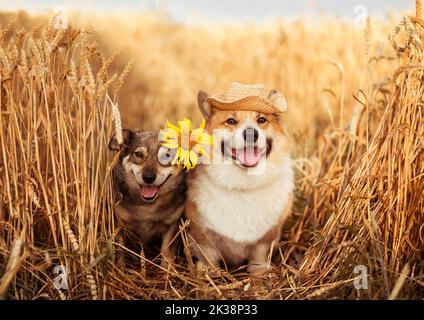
[249, 97]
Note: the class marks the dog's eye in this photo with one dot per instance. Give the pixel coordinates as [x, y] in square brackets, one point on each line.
[262, 120]
[138, 154]
[231, 121]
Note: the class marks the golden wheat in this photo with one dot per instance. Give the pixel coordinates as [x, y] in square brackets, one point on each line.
[360, 182]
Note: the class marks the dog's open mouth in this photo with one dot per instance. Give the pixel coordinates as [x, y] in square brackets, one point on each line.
[149, 193]
[248, 156]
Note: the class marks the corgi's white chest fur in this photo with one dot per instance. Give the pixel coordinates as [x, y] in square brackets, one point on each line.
[241, 207]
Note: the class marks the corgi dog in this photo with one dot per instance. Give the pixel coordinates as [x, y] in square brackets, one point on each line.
[152, 191]
[239, 201]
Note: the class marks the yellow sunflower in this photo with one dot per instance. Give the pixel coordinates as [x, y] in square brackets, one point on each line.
[189, 144]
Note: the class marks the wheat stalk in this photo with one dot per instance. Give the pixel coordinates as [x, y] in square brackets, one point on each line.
[71, 236]
[102, 75]
[122, 78]
[6, 29]
[16, 258]
[33, 196]
[117, 120]
[93, 286]
[419, 9]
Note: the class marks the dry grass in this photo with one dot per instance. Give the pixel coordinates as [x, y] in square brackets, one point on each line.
[360, 178]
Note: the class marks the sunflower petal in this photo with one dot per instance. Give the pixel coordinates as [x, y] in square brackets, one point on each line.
[189, 144]
[193, 158]
[171, 126]
[171, 144]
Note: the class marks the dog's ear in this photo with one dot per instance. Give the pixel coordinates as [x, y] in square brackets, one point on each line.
[204, 106]
[126, 136]
[278, 100]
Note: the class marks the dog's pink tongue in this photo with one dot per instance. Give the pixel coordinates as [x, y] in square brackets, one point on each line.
[249, 157]
[149, 191]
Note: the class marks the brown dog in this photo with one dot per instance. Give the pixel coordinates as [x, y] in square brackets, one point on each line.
[153, 192]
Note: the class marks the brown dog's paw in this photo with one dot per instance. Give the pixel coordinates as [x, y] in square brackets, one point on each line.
[167, 263]
[203, 268]
[120, 261]
[257, 268]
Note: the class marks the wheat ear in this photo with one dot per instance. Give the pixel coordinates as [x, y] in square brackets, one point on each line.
[117, 119]
[419, 8]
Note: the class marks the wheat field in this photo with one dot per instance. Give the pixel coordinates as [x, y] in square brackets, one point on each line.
[356, 121]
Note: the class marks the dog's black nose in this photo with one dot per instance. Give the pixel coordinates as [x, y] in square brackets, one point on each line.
[149, 177]
[250, 134]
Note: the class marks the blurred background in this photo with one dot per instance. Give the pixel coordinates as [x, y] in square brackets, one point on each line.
[219, 10]
[315, 52]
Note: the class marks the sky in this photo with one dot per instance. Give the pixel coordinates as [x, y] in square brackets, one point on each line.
[213, 10]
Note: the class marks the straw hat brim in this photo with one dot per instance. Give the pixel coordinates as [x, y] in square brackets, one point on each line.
[252, 103]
